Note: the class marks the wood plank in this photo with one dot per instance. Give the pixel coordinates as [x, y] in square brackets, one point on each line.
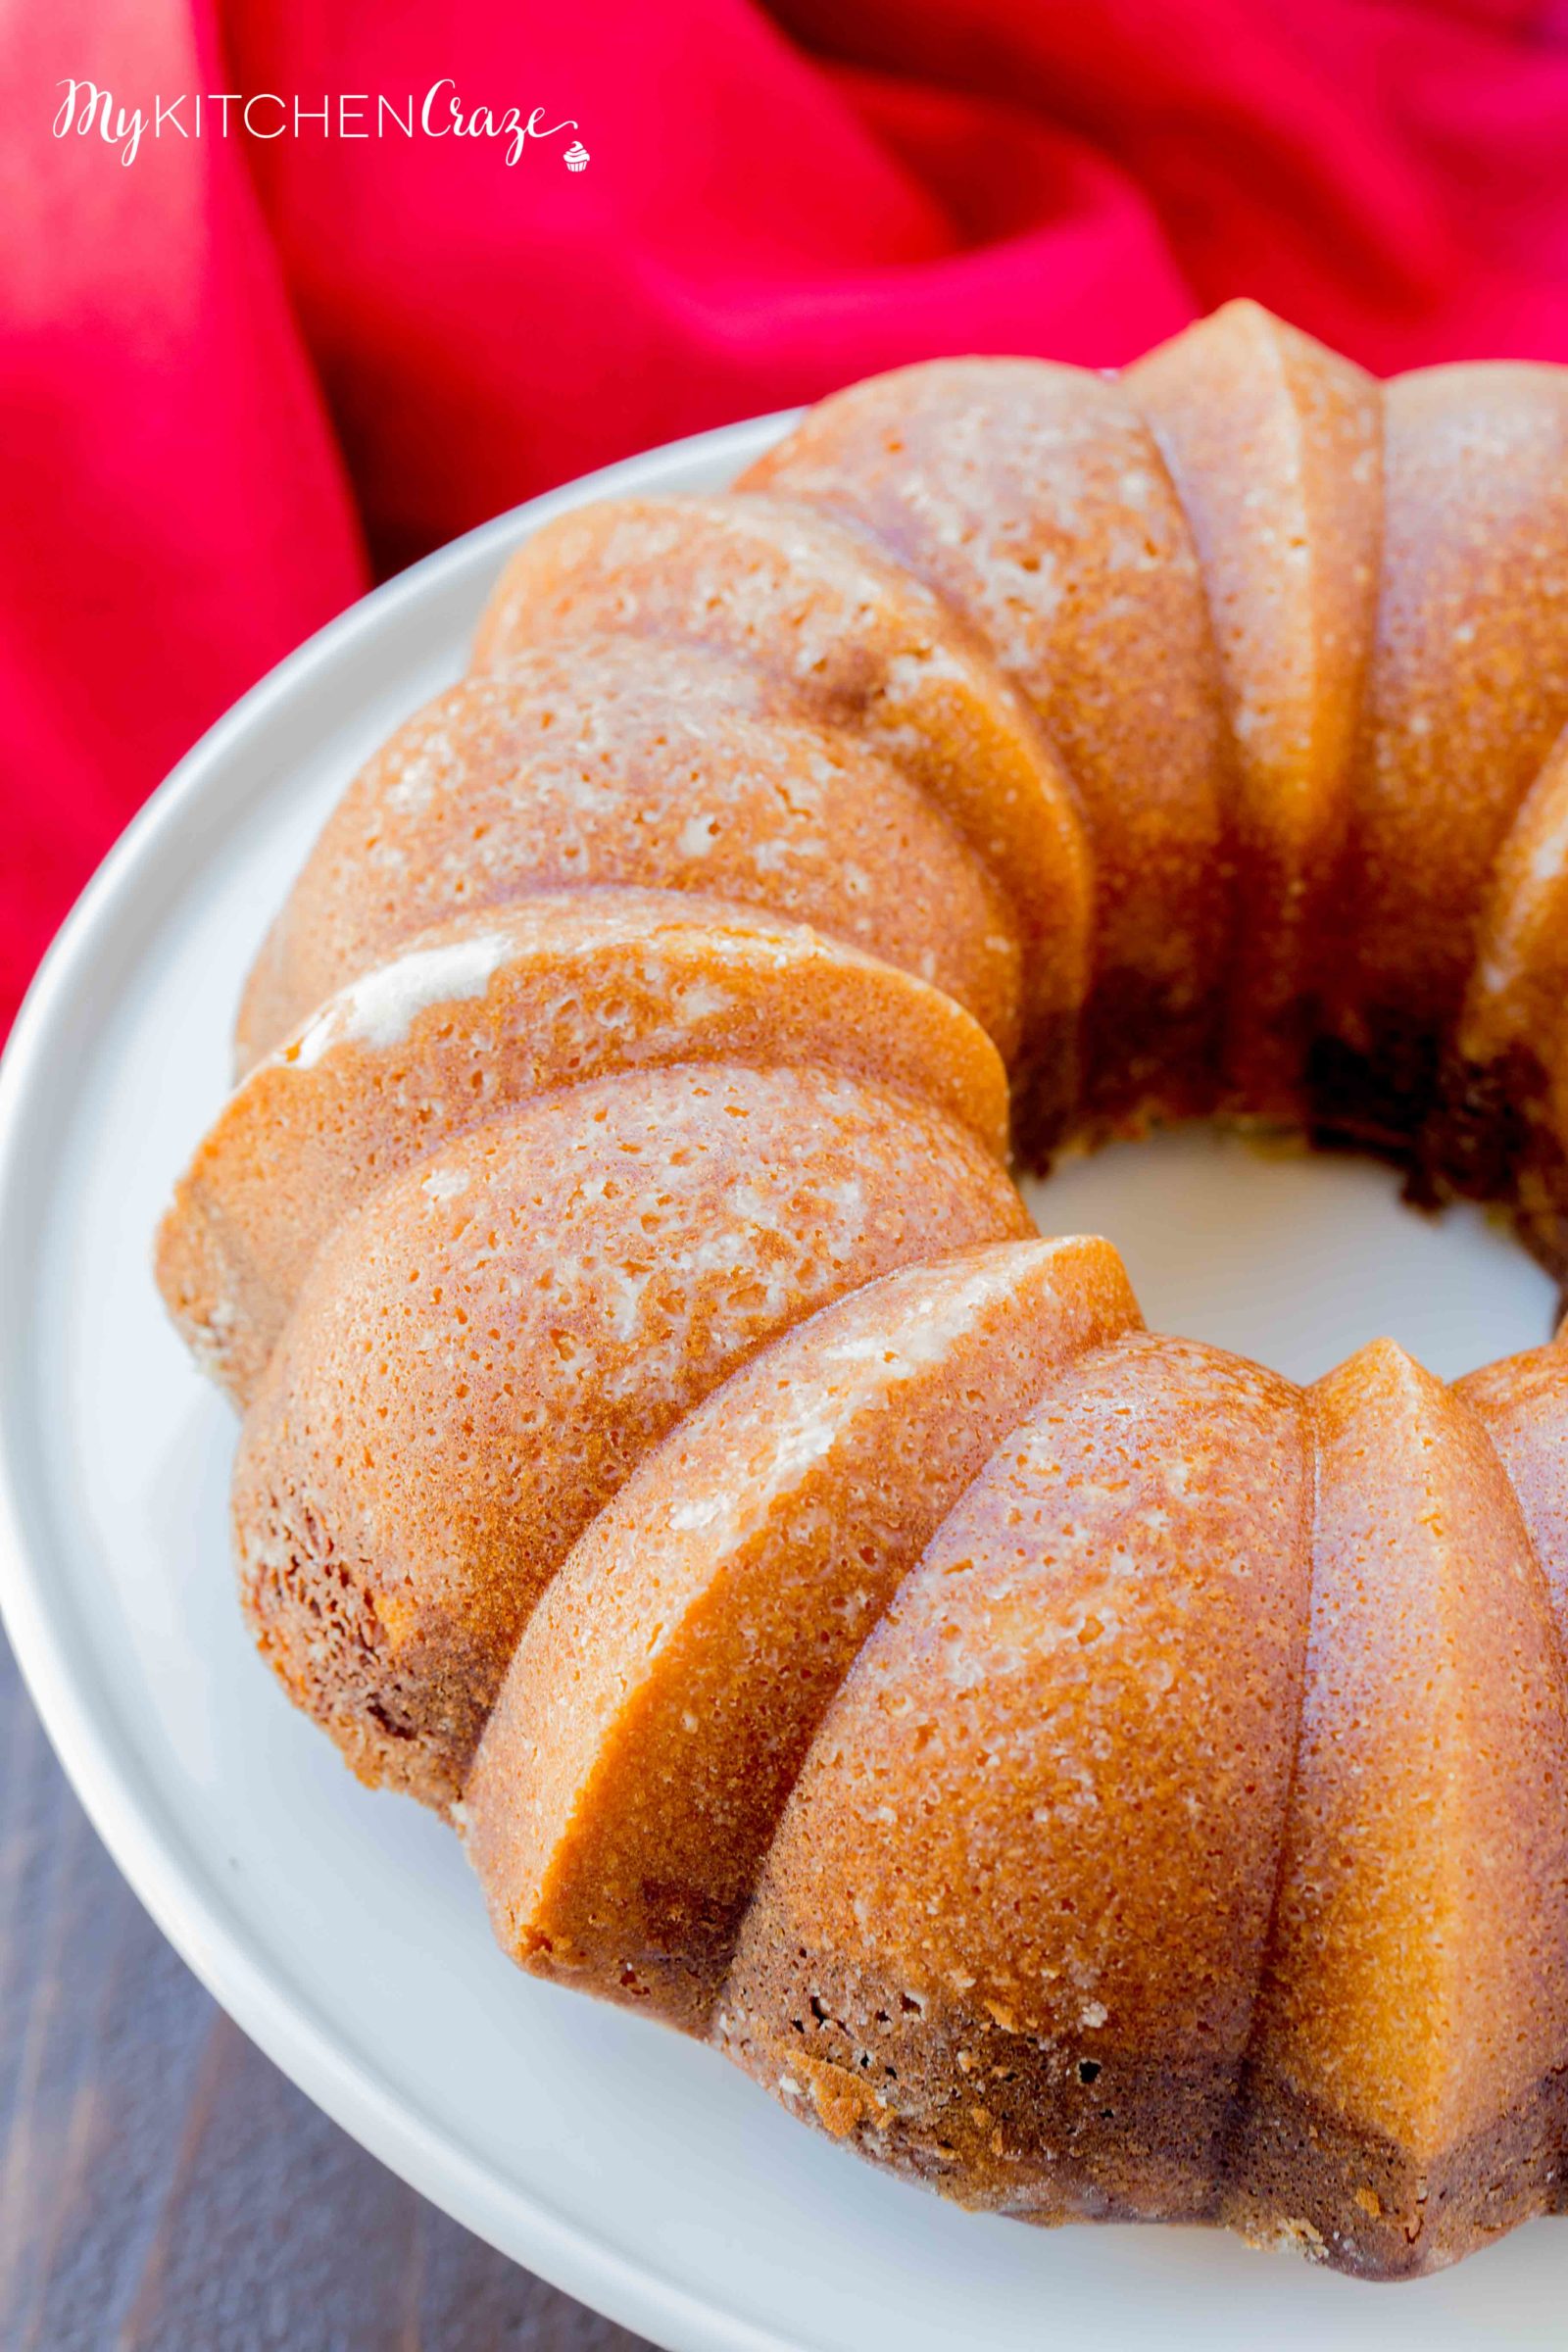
[163, 2188]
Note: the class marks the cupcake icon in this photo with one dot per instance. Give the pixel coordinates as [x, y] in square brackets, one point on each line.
[576, 157]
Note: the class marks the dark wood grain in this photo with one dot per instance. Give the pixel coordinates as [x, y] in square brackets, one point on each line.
[163, 2188]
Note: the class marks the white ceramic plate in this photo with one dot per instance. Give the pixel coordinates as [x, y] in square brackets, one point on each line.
[341, 1928]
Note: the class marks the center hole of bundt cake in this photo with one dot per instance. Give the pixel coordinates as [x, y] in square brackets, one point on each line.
[1296, 1259]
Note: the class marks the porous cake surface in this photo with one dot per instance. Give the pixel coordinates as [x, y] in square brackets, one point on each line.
[584, 765]
[481, 1354]
[853, 640]
[661, 1702]
[1012, 1931]
[495, 1009]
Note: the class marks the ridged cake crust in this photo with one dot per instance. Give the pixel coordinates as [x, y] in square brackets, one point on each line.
[1467, 691]
[495, 1009]
[1033, 498]
[481, 1356]
[853, 641]
[588, 764]
[662, 1703]
[1008, 1933]
[1428, 1827]
[1088, 1773]
[1276, 447]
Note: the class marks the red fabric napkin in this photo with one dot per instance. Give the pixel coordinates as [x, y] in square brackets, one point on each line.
[239, 374]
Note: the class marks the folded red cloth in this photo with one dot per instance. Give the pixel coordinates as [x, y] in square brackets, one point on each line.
[233, 364]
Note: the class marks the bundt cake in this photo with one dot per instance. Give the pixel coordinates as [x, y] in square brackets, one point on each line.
[1089, 1773]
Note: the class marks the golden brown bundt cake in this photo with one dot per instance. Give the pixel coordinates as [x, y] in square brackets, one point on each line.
[1089, 1773]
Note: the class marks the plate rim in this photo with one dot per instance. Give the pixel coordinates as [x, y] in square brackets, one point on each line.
[143, 1839]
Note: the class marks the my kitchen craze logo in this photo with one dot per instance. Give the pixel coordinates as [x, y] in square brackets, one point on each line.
[90, 110]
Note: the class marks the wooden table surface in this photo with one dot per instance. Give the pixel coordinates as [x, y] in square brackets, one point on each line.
[163, 2188]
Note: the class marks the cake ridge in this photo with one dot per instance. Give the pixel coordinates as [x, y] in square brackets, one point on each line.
[1075, 617]
[1230, 2141]
[1220, 430]
[614, 566]
[863, 1380]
